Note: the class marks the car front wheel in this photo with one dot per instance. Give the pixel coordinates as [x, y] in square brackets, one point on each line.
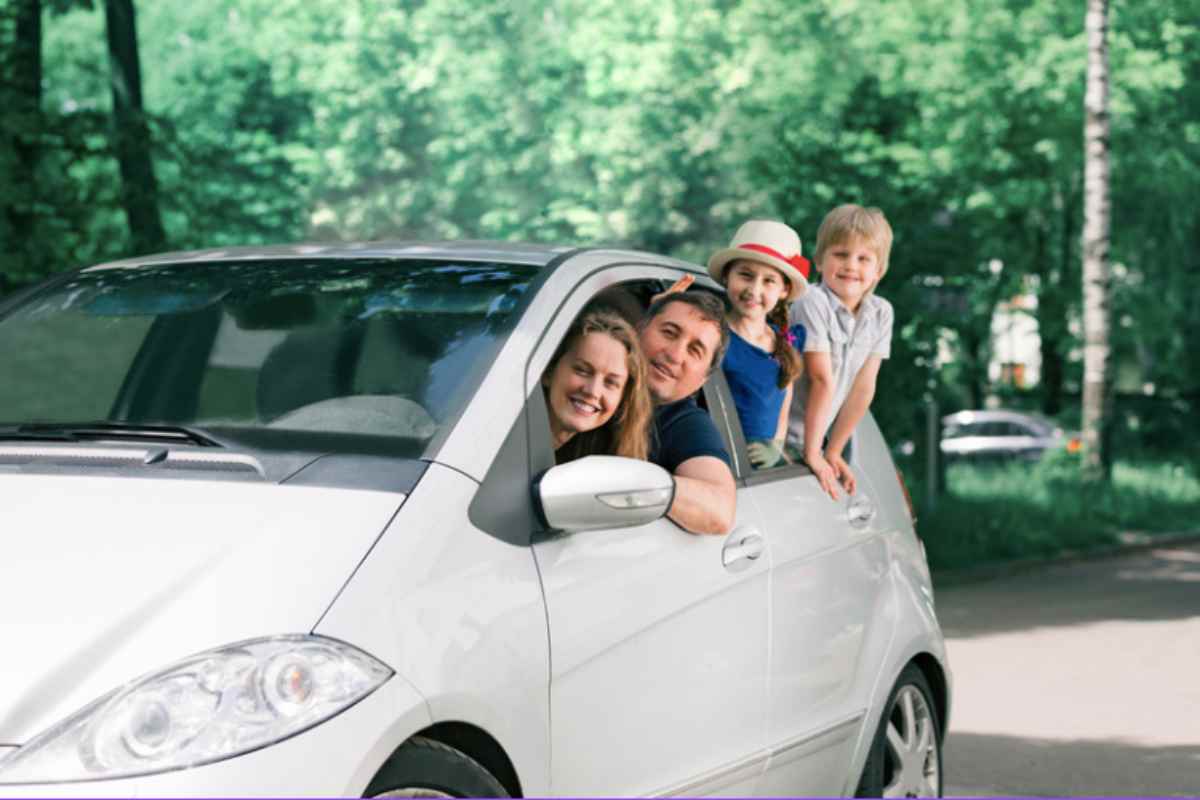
[905, 759]
[427, 768]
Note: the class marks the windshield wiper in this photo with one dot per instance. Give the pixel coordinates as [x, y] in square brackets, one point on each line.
[9, 433]
[94, 431]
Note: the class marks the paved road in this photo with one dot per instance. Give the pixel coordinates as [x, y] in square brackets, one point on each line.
[1079, 678]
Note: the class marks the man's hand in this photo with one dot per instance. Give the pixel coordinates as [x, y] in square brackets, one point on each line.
[844, 474]
[680, 285]
[826, 475]
[766, 453]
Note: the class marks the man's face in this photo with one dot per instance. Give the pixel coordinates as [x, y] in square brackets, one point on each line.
[679, 345]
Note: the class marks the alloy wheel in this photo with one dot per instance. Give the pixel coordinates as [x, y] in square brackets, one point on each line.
[912, 767]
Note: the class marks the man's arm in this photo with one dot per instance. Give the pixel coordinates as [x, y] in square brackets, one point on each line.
[816, 416]
[705, 496]
[862, 392]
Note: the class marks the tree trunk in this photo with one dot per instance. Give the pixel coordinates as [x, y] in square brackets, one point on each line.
[1054, 300]
[131, 135]
[1049, 307]
[28, 55]
[1052, 377]
[976, 362]
[1096, 227]
[21, 108]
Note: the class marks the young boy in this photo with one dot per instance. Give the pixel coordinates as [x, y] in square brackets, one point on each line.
[849, 333]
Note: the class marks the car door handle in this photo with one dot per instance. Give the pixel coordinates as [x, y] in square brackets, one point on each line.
[860, 511]
[742, 548]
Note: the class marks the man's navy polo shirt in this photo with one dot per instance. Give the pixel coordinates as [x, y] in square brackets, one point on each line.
[684, 430]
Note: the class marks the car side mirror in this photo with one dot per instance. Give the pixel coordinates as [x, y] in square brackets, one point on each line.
[603, 492]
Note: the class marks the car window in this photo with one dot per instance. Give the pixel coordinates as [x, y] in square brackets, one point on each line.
[375, 347]
[958, 430]
[715, 397]
[52, 369]
[721, 406]
[630, 299]
[1036, 426]
[717, 400]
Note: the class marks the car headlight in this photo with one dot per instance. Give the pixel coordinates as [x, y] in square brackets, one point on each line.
[203, 709]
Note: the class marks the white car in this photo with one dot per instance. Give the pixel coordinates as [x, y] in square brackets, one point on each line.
[998, 435]
[286, 521]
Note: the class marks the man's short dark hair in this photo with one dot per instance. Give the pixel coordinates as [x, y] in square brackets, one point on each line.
[711, 308]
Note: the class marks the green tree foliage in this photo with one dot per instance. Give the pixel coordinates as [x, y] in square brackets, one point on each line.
[660, 124]
[232, 129]
[21, 97]
[44, 147]
[1156, 229]
[227, 131]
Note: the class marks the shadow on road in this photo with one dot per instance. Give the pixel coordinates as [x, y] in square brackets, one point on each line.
[1158, 584]
[1006, 765]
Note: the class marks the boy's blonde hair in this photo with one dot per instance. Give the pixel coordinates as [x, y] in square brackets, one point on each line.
[853, 221]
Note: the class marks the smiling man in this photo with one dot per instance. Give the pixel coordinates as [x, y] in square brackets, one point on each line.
[683, 337]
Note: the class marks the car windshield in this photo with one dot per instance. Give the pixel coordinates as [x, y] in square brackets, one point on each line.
[367, 347]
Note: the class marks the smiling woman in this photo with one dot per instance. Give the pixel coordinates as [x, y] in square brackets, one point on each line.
[596, 390]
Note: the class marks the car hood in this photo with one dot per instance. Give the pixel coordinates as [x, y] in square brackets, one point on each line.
[105, 579]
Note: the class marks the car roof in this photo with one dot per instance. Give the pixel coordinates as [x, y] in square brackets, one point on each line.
[484, 251]
[996, 415]
[510, 252]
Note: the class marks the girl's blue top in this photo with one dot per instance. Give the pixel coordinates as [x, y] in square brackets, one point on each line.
[753, 377]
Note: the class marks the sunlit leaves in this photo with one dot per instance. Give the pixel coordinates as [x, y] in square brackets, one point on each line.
[662, 124]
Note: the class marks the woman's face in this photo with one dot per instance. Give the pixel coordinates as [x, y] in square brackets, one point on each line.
[753, 288]
[585, 386]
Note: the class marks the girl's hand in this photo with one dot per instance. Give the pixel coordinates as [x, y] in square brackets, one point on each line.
[844, 474]
[766, 453]
[826, 475]
[680, 285]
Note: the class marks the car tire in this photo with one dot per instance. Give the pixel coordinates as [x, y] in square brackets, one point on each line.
[424, 767]
[905, 759]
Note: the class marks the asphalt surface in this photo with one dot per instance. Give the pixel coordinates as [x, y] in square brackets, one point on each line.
[1078, 678]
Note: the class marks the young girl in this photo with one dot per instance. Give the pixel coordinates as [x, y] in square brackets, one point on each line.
[763, 272]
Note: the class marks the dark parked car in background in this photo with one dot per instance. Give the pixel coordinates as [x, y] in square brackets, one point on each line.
[1001, 435]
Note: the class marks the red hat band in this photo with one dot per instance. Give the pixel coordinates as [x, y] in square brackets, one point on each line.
[798, 261]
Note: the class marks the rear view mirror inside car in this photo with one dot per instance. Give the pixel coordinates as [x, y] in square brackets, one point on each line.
[278, 312]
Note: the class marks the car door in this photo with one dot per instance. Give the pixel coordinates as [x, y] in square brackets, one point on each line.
[658, 641]
[828, 632]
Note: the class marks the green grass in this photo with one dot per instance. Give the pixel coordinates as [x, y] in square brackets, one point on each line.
[997, 513]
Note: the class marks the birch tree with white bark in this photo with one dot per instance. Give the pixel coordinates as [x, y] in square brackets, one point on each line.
[1096, 229]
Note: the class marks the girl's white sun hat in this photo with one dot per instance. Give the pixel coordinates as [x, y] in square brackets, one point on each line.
[767, 242]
